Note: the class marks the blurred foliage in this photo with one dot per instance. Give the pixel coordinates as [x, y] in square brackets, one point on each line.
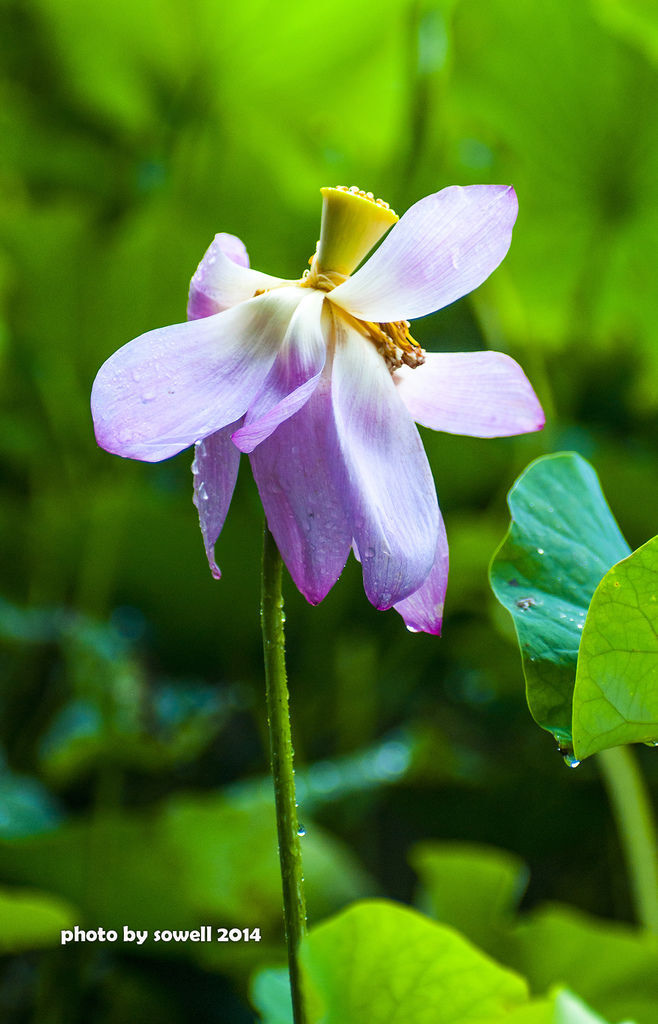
[31, 919]
[378, 958]
[609, 965]
[221, 852]
[131, 698]
[378, 961]
[475, 889]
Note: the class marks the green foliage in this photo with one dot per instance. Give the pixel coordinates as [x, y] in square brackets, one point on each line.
[27, 806]
[476, 889]
[221, 851]
[31, 920]
[615, 698]
[562, 539]
[380, 962]
[588, 643]
[553, 118]
[131, 683]
[610, 966]
[270, 995]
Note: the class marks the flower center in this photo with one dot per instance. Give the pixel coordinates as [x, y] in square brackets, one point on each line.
[352, 222]
[392, 340]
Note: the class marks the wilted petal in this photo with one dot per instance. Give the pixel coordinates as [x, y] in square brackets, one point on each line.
[293, 378]
[394, 510]
[223, 278]
[483, 394]
[215, 469]
[302, 484]
[173, 386]
[422, 611]
[443, 247]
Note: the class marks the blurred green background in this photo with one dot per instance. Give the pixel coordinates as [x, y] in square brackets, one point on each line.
[132, 727]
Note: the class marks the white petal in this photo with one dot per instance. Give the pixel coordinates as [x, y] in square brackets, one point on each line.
[482, 394]
[293, 378]
[215, 470]
[422, 611]
[393, 506]
[442, 248]
[302, 482]
[223, 278]
[176, 385]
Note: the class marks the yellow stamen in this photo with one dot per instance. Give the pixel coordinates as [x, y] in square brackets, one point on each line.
[352, 222]
[393, 341]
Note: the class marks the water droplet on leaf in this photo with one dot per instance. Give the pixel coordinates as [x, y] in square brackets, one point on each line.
[301, 831]
[571, 761]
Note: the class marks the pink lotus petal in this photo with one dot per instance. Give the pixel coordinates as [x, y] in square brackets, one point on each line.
[173, 386]
[302, 484]
[215, 469]
[394, 511]
[293, 378]
[223, 278]
[422, 611]
[442, 248]
[482, 394]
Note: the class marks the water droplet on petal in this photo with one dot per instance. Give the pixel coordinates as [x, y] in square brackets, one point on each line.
[136, 376]
[412, 629]
[455, 258]
[369, 553]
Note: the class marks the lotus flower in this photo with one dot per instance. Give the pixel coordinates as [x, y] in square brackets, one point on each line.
[320, 382]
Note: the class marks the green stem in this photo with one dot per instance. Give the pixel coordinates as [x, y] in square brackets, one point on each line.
[290, 854]
[633, 813]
